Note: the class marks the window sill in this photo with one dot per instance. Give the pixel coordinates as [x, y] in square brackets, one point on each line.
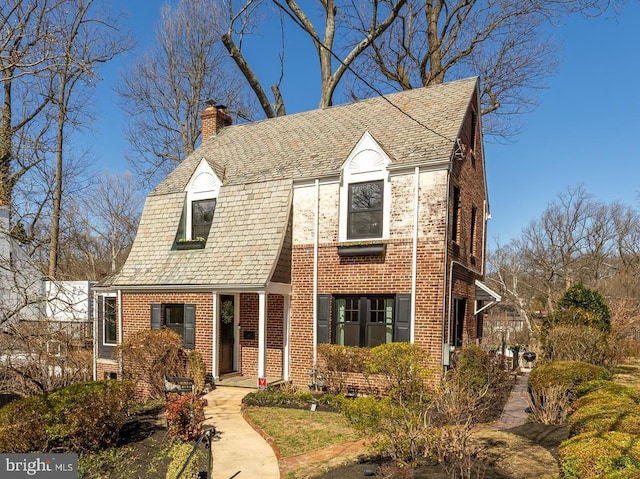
[369, 248]
[189, 244]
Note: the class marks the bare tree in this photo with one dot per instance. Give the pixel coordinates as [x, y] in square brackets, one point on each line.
[87, 40]
[27, 30]
[576, 239]
[165, 90]
[502, 42]
[337, 46]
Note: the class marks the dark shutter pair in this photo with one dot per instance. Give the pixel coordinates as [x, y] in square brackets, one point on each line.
[401, 325]
[189, 333]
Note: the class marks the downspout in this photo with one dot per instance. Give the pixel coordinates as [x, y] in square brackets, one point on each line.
[316, 235]
[485, 218]
[447, 277]
[214, 340]
[414, 254]
[120, 333]
[95, 337]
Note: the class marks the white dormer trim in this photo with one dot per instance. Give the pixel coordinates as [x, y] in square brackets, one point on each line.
[203, 185]
[367, 162]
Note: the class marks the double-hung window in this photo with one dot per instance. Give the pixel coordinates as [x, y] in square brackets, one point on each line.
[366, 214]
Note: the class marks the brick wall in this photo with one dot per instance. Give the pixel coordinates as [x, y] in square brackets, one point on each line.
[249, 347]
[136, 315]
[391, 272]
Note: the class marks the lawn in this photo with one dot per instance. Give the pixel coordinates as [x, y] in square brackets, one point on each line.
[298, 431]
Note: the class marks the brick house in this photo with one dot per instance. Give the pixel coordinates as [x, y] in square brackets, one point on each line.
[358, 224]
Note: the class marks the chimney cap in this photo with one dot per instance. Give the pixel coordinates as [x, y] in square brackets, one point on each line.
[212, 103]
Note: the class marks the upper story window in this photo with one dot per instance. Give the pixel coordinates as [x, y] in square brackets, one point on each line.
[365, 193]
[200, 206]
[201, 217]
[456, 214]
[366, 215]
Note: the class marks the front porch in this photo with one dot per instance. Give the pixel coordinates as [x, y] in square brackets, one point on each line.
[245, 381]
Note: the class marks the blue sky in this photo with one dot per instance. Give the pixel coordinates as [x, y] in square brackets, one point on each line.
[583, 131]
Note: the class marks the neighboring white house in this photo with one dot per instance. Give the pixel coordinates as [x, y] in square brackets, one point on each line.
[26, 295]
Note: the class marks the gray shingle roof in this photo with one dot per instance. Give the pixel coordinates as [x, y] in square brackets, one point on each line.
[246, 235]
[258, 163]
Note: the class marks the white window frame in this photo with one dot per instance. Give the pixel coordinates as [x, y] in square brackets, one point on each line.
[104, 320]
[366, 163]
[203, 185]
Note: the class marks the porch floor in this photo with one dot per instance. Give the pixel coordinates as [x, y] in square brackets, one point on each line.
[239, 381]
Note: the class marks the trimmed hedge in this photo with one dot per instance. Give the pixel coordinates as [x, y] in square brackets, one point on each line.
[571, 374]
[607, 406]
[609, 454]
[81, 417]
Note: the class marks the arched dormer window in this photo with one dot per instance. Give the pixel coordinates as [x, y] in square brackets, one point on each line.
[365, 193]
[202, 193]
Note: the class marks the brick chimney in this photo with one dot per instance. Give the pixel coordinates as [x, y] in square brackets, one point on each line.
[214, 118]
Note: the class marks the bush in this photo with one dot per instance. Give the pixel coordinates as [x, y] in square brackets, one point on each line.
[22, 425]
[609, 454]
[394, 422]
[595, 312]
[610, 407]
[178, 454]
[400, 371]
[337, 362]
[149, 356]
[197, 370]
[570, 374]
[80, 418]
[581, 343]
[396, 431]
[185, 415]
[478, 370]
[553, 387]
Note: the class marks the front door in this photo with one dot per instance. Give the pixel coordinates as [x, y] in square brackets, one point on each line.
[227, 333]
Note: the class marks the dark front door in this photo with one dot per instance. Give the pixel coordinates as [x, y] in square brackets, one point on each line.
[227, 333]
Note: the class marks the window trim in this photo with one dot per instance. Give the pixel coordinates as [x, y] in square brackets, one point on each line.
[367, 163]
[203, 185]
[110, 297]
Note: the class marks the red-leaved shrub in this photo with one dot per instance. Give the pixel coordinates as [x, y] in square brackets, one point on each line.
[185, 415]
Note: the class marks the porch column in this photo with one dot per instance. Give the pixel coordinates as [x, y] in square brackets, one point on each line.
[214, 340]
[286, 329]
[262, 339]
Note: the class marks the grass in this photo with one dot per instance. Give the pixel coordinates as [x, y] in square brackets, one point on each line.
[298, 431]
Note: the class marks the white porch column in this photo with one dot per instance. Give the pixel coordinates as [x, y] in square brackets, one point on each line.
[262, 339]
[286, 328]
[215, 371]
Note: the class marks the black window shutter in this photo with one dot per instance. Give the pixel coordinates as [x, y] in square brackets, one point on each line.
[402, 326]
[324, 300]
[190, 326]
[156, 316]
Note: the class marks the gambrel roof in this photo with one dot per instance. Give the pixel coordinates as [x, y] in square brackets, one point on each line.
[258, 163]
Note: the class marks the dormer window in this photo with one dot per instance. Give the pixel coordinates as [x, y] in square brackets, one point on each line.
[199, 209]
[365, 193]
[201, 218]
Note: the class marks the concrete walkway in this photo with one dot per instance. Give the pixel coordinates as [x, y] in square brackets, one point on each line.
[240, 452]
[514, 412]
